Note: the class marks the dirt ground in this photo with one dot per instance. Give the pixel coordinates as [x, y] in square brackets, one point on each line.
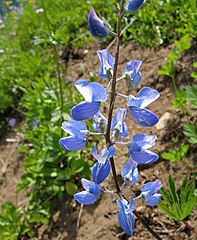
[99, 221]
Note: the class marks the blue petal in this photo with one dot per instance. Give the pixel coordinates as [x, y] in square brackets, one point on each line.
[85, 198]
[85, 90]
[106, 61]
[84, 110]
[152, 186]
[91, 187]
[76, 124]
[143, 117]
[126, 222]
[73, 128]
[144, 141]
[133, 5]
[99, 92]
[130, 171]
[144, 157]
[72, 143]
[96, 25]
[134, 102]
[132, 205]
[118, 117]
[93, 92]
[133, 66]
[100, 172]
[148, 95]
[152, 201]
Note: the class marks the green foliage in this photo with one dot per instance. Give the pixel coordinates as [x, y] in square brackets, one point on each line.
[190, 130]
[169, 68]
[178, 206]
[180, 99]
[12, 224]
[191, 92]
[160, 22]
[176, 154]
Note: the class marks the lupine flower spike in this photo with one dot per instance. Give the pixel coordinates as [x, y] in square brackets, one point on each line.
[94, 94]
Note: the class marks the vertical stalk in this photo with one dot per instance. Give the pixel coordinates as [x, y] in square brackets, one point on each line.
[113, 94]
[110, 112]
[56, 62]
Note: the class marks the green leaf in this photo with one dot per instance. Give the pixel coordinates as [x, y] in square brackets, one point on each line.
[173, 190]
[166, 210]
[166, 196]
[71, 188]
[191, 92]
[188, 207]
[183, 190]
[190, 130]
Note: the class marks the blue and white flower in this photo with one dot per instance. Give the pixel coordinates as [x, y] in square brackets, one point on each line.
[101, 168]
[131, 73]
[125, 215]
[130, 172]
[106, 64]
[90, 194]
[137, 105]
[78, 132]
[94, 94]
[118, 126]
[149, 195]
[138, 148]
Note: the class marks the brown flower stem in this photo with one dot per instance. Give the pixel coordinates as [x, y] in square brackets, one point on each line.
[146, 225]
[110, 112]
[113, 95]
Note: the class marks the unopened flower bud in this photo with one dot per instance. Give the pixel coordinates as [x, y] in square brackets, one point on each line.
[133, 5]
[96, 25]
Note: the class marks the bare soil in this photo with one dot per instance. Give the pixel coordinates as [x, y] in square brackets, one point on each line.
[99, 221]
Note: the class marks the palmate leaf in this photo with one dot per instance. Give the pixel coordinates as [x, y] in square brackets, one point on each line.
[166, 210]
[178, 207]
[190, 130]
[191, 92]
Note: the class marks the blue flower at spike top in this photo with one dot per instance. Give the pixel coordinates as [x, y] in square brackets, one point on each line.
[94, 94]
[78, 132]
[96, 26]
[106, 64]
[90, 194]
[132, 74]
[130, 172]
[138, 149]
[149, 195]
[99, 122]
[101, 168]
[125, 215]
[118, 126]
[137, 105]
[133, 5]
